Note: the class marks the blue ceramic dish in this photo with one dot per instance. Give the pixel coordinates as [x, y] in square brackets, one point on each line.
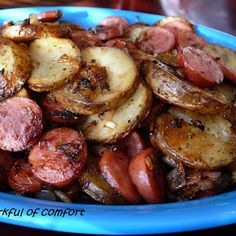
[98, 219]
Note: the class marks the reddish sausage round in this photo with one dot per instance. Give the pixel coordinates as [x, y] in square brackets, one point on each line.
[114, 21]
[85, 39]
[21, 122]
[59, 157]
[176, 26]
[109, 32]
[121, 43]
[114, 167]
[21, 178]
[156, 40]
[6, 162]
[132, 144]
[147, 177]
[53, 111]
[50, 16]
[189, 39]
[199, 68]
[228, 72]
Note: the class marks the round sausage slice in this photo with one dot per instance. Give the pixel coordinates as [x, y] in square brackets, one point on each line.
[50, 16]
[199, 68]
[84, 39]
[147, 176]
[53, 111]
[21, 122]
[176, 26]
[6, 162]
[109, 32]
[114, 167]
[156, 40]
[121, 43]
[189, 39]
[59, 157]
[21, 178]
[132, 144]
[114, 21]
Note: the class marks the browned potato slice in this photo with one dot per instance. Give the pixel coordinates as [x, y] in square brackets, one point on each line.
[174, 90]
[169, 58]
[114, 125]
[134, 31]
[28, 32]
[228, 90]
[198, 141]
[169, 19]
[222, 54]
[15, 67]
[56, 61]
[121, 79]
[23, 93]
[96, 187]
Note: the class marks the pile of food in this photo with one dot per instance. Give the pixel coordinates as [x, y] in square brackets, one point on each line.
[117, 114]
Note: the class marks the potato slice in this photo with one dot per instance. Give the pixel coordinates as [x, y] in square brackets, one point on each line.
[15, 67]
[174, 90]
[198, 141]
[170, 19]
[121, 78]
[222, 54]
[23, 32]
[23, 93]
[134, 31]
[56, 61]
[114, 125]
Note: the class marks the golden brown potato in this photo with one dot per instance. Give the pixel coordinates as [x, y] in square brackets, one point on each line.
[15, 67]
[169, 58]
[96, 186]
[170, 19]
[23, 32]
[56, 61]
[120, 76]
[198, 141]
[134, 31]
[114, 125]
[174, 90]
[23, 93]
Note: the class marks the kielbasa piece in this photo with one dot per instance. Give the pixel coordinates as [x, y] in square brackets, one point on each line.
[114, 21]
[50, 16]
[22, 179]
[53, 111]
[147, 176]
[132, 144]
[228, 72]
[84, 39]
[114, 167]
[189, 39]
[176, 26]
[21, 122]
[6, 162]
[156, 40]
[121, 43]
[59, 157]
[109, 32]
[199, 68]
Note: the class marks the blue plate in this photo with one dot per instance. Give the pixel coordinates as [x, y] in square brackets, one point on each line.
[98, 219]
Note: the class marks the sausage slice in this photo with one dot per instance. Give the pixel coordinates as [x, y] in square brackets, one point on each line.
[6, 162]
[59, 157]
[114, 21]
[156, 40]
[21, 122]
[189, 39]
[199, 68]
[57, 113]
[21, 178]
[147, 176]
[114, 167]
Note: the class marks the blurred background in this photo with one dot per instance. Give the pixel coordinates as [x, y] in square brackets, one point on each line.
[220, 14]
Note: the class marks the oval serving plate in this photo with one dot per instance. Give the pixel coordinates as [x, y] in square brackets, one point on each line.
[135, 219]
